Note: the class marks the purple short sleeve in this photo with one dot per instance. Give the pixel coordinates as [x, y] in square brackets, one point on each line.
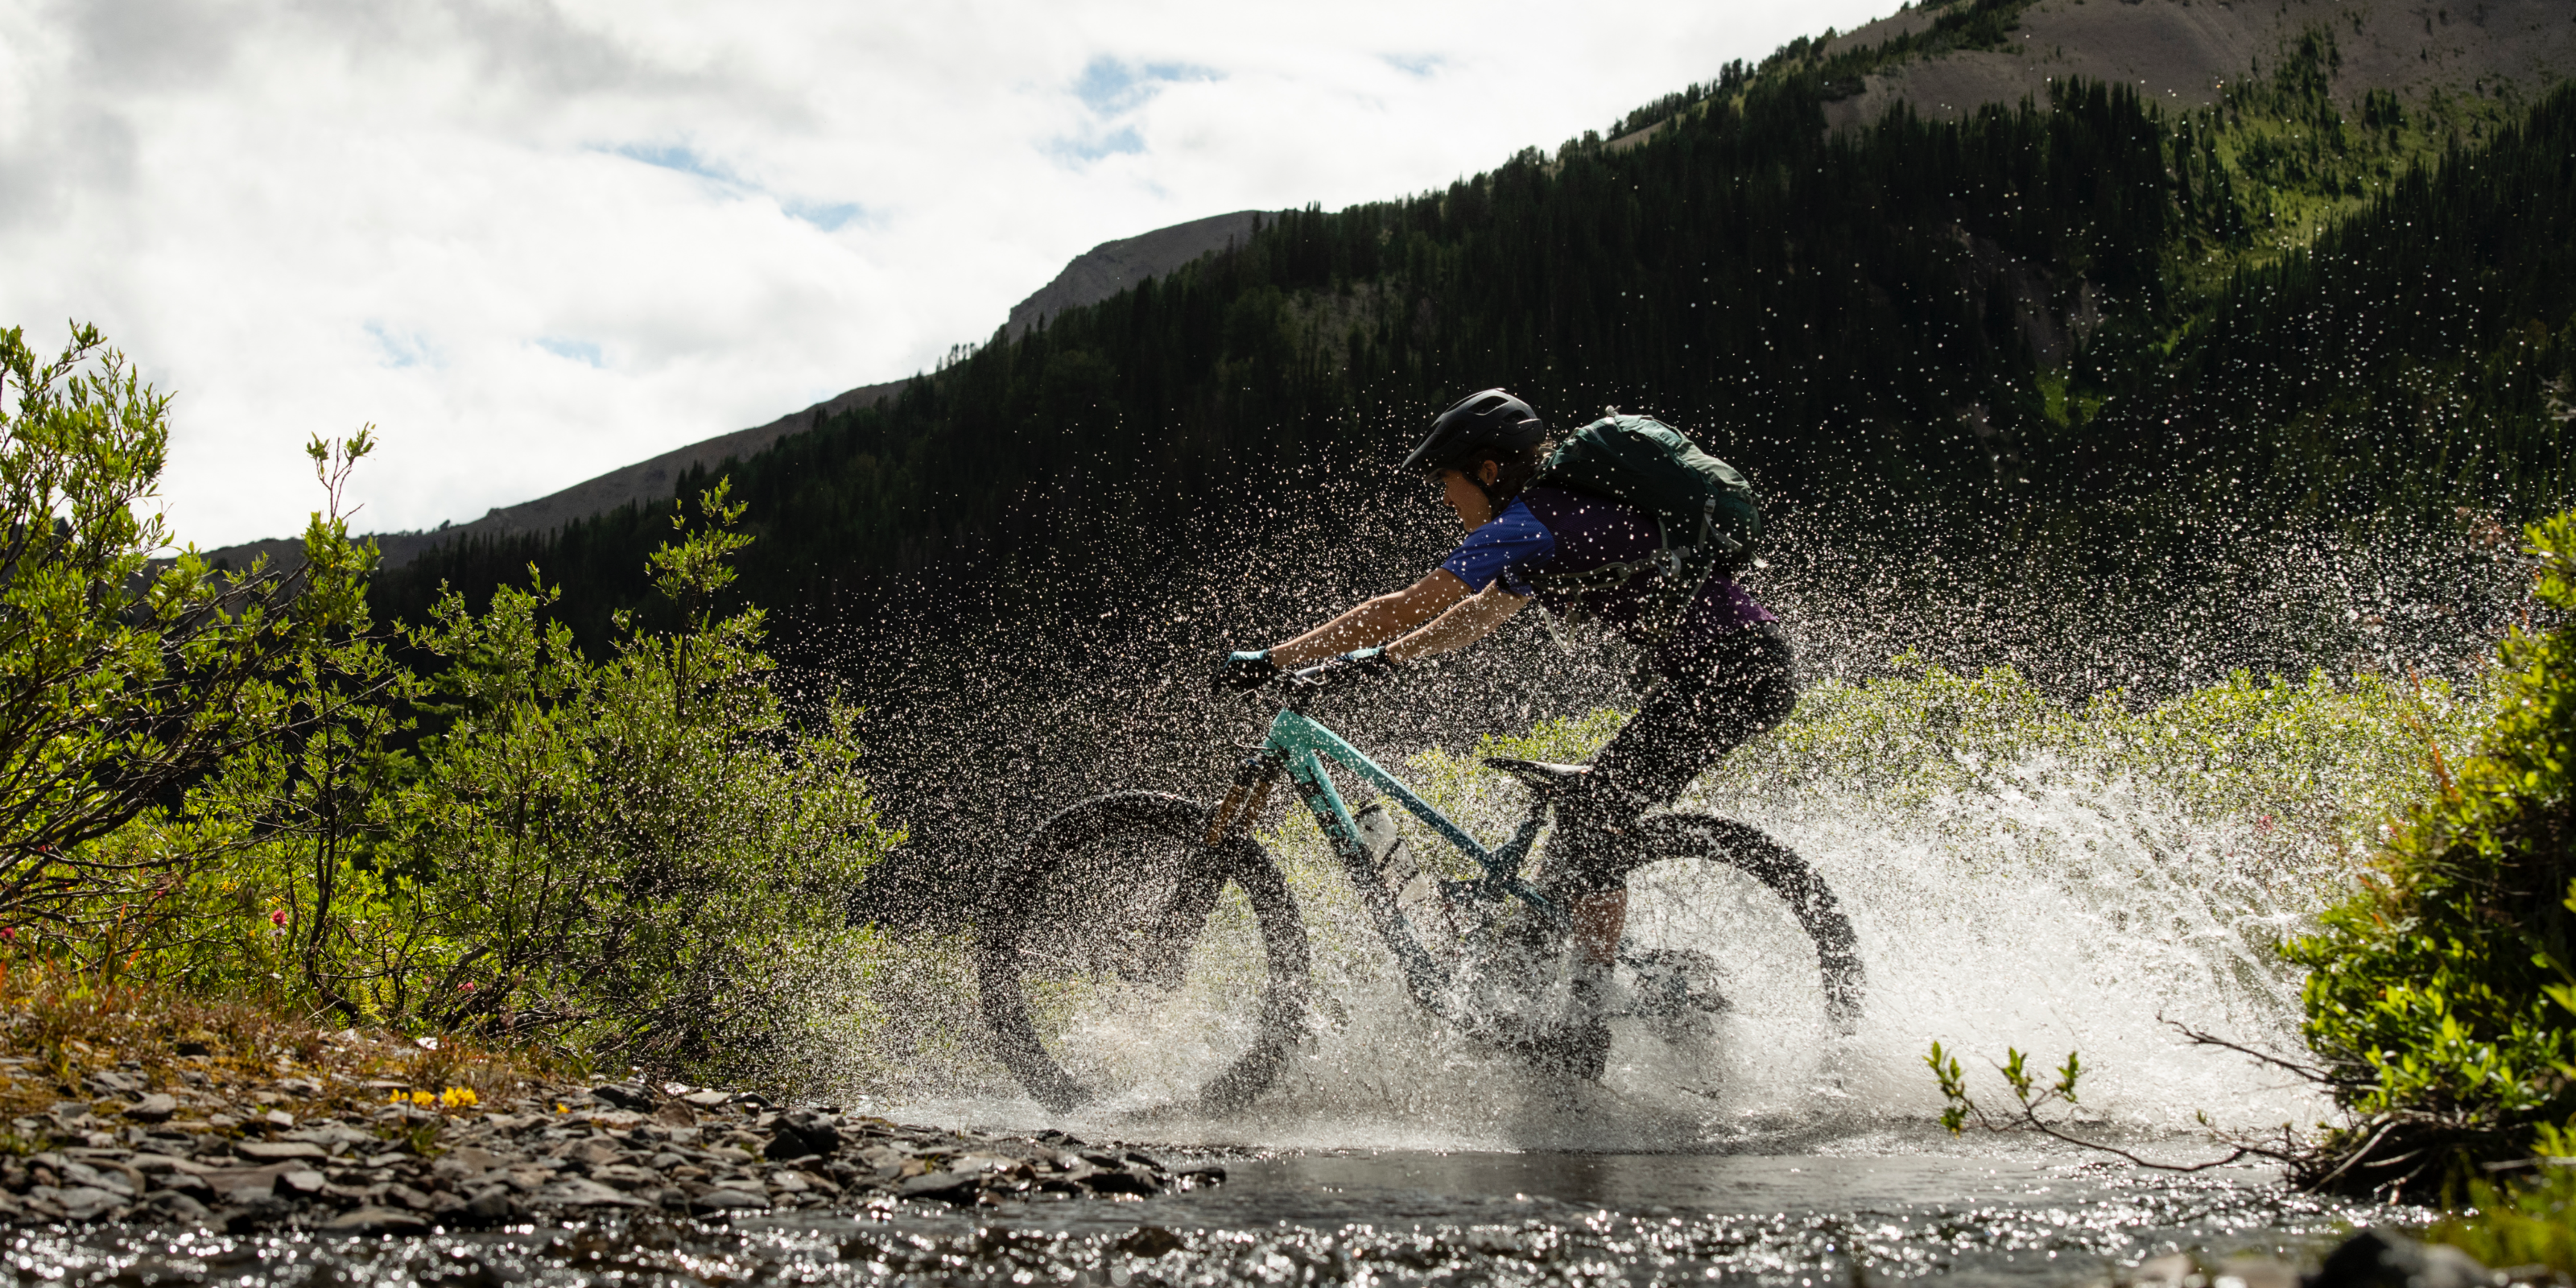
[1509, 547]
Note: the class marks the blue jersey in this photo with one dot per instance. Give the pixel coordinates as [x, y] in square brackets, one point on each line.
[1558, 532]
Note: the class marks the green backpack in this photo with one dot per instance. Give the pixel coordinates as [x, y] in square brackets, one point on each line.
[1703, 510]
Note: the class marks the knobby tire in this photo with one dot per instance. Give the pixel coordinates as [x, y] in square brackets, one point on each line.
[1017, 906]
[1809, 899]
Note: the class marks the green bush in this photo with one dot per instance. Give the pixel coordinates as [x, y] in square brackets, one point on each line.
[641, 857]
[2438, 1002]
[2524, 1223]
[233, 782]
[126, 673]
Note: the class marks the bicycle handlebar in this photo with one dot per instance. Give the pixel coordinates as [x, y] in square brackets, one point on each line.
[1335, 675]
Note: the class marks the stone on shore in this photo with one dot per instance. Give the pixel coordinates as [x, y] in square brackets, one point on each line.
[377, 1158]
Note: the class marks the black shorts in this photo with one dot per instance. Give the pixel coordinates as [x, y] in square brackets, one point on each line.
[1683, 728]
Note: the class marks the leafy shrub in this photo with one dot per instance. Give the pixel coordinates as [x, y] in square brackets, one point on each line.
[640, 857]
[2532, 1222]
[125, 674]
[2439, 998]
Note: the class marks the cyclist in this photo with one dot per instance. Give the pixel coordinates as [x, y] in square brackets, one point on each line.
[1723, 671]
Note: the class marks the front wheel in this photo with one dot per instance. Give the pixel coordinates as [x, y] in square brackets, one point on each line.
[1126, 965]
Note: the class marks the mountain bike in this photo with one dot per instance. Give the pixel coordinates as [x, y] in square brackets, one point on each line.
[1144, 950]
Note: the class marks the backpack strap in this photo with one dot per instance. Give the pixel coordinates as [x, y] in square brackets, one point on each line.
[1674, 565]
[1605, 577]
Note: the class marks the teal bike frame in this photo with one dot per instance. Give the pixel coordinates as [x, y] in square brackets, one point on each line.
[1298, 747]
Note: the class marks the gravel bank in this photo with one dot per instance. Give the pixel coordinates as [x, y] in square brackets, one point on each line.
[377, 1155]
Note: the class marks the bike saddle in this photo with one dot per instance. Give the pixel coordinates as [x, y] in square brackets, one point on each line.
[1541, 776]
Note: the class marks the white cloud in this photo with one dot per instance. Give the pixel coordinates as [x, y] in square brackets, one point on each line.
[534, 241]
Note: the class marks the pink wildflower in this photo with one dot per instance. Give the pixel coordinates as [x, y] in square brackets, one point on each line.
[277, 918]
[466, 987]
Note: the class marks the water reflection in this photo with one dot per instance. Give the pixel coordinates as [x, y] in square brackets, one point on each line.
[1377, 1217]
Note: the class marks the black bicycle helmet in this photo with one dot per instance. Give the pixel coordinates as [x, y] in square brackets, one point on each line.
[1491, 421]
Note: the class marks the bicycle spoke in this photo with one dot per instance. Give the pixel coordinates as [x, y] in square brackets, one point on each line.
[1130, 968]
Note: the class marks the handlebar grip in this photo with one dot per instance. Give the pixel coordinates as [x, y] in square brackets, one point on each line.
[1336, 674]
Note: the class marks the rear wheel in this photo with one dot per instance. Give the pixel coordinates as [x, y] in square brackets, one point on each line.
[1126, 965]
[1728, 919]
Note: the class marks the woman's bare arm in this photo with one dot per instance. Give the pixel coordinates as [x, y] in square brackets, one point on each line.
[1466, 622]
[1375, 621]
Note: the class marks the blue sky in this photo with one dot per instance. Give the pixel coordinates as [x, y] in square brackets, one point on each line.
[533, 242]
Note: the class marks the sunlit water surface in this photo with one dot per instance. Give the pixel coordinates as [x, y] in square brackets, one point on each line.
[1887, 1208]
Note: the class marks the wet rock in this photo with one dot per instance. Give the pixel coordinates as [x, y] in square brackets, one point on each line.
[2387, 1259]
[627, 1176]
[552, 1149]
[279, 1151]
[82, 1202]
[728, 1200]
[624, 1095]
[589, 1153]
[76, 1174]
[2172, 1270]
[1150, 1241]
[332, 1137]
[577, 1192]
[2257, 1272]
[1136, 1183]
[181, 1208]
[375, 1220]
[236, 1185]
[801, 1134]
[491, 1207]
[465, 1163]
[257, 1214]
[945, 1187]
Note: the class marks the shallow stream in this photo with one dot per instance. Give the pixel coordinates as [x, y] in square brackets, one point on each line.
[1884, 1207]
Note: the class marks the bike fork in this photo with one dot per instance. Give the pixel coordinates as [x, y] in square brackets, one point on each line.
[1244, 801]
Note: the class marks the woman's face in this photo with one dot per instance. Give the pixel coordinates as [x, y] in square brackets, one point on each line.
[1474, 508]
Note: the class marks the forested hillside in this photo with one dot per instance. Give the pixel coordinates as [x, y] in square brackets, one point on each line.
[1960, 321]
[2067, 385]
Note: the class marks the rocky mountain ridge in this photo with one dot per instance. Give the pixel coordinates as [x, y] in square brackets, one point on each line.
[2181, 53]
[1090, 277]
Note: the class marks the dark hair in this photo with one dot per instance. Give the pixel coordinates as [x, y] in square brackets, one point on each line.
[1520, 466]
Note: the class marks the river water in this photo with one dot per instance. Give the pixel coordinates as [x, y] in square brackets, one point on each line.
[1884, 1209]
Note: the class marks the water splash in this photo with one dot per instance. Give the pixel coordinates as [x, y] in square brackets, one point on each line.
[2047, 911]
